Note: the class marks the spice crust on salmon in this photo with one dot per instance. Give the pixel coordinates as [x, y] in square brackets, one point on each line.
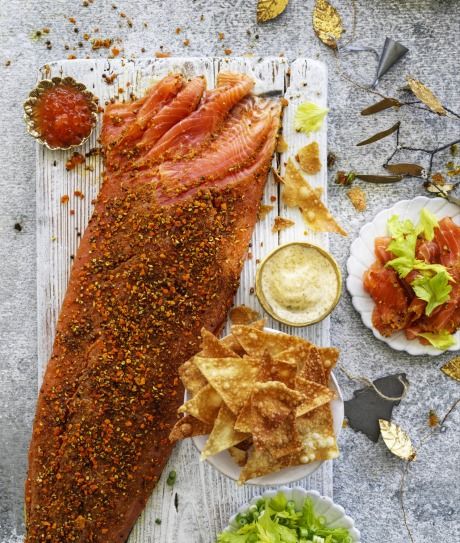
[185, 169]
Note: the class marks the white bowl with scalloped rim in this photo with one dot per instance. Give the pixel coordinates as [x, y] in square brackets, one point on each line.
[333, 514]
[362, 256]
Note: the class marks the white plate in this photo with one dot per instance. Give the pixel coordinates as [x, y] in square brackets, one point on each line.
[362, 256]
[226, 465]
[334, 514]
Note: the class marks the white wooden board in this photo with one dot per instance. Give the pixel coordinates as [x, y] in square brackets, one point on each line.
[205, 498]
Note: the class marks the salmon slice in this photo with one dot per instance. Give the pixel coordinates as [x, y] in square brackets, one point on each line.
[236, 145]
[185, 103]
[150, 272]
[381, 249]
[391, 303]
[447, 237]
[189, 134]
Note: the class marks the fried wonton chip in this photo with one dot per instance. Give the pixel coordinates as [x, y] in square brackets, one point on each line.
[297, 192]
[316, 432]
[255, 342]
[263, 211]
[238, 455]
[273, 413]
[191, 377]
[358, 198]
[232, 343]
[314, 395]
[280, 223]
[281, 145]
[308, 158]
[204, 405]
[232, 378]
[211, 347]
[243, 421]
[242, 314]
[261, 462]
[329, 357]
[272, 369]
[223, 434]
[188, 426]
[307, 359]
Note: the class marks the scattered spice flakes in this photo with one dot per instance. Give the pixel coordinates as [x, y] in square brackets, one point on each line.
[72, 212]
[452, 368]
[281, 145]
[115, 51]
[358, 198]
[308, 158]
[433, 419]
[101, 43]
[162, 54]
[273, 198]
[397, 440]
[178, 30]
[327, 23]
[7, 62]
[243, 314]
[297, 192]
[109, 79]
[158, 521]
[78, 194]
[74, 160]
[65, 199]
[221, 36]
[18, 227]
[345, 178]
[439, 179]
[264, 210]
[186, 42]
[228, 51]
[281, 223]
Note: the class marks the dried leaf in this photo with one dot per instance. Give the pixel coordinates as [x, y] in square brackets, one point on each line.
[380, 106]
[269, 9]
[452, 368]
[379, 135]
[327, 23]
[397, 441]
[358, 198]
[382, 179]
[405, 169]
[425, 95]
[453, 172]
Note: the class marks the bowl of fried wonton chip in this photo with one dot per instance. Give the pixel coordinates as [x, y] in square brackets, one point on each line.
[261, 406]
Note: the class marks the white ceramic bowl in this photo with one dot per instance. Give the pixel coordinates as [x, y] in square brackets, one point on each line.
[362, 256]
[226, 465]
[334, 514]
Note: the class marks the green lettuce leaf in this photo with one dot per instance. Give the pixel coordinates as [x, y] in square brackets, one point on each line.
[427, 224]
[267, 529]
[397, 228]
[434, 290]
[309, 117]
[441, 341]
[231, 537]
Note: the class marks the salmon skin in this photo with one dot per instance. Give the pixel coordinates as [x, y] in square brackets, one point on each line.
[159, 260]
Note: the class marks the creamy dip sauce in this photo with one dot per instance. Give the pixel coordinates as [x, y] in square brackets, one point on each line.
[299, 283]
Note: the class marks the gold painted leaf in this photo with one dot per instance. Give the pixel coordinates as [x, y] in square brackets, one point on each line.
[379, 135]
[269, 9]
[327, 23]
[425, 95]
[380, 106]
[452, 368]
[397, 441]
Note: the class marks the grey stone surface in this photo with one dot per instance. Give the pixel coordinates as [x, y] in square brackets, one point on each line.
[367, 477]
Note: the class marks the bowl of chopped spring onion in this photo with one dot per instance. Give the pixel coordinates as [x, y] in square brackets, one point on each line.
[290, 515]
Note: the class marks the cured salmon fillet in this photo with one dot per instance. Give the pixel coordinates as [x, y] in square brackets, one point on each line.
[161, 258]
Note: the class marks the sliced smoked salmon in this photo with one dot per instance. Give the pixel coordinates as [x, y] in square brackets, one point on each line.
[159, 260]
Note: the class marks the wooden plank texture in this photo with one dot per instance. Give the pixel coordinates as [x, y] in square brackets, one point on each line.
[205, 499]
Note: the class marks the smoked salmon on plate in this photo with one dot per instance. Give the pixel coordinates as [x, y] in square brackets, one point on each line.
[185, 169]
